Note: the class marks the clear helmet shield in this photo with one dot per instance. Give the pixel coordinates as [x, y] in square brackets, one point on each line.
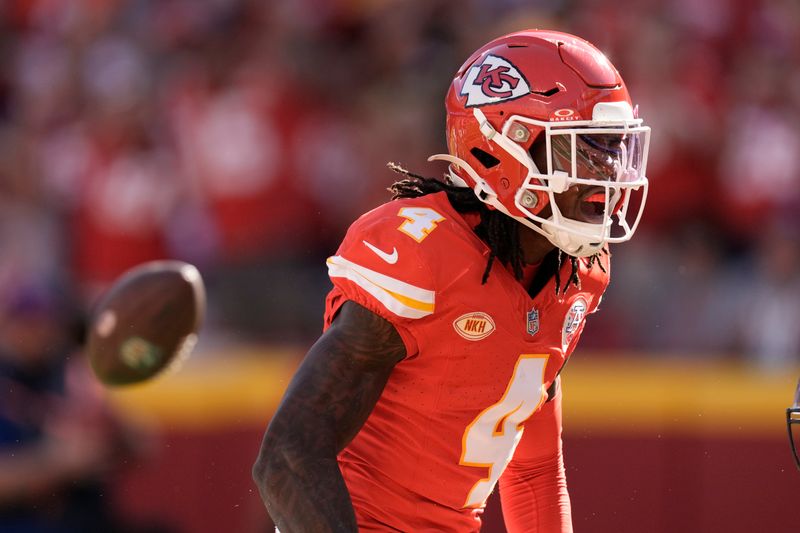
[606, 167]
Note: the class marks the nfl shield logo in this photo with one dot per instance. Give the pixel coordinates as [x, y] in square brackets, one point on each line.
[533, 321]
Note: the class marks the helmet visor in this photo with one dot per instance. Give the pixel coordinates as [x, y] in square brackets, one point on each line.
[604, 155]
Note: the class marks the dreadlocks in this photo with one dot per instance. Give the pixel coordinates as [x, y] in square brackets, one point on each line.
[499, 231]
[574, 279]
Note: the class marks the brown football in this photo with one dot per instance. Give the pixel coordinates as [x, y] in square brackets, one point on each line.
[147, 321]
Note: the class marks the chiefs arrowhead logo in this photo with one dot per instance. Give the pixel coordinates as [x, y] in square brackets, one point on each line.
[493, 80]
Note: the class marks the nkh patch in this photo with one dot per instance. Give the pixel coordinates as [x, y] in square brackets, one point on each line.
[493, 80]
[573, 321]
[474, 326]
[533, 321]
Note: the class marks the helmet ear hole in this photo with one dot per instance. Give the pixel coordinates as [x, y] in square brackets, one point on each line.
[484, 158]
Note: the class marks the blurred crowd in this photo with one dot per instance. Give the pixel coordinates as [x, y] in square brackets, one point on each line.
[245, 135]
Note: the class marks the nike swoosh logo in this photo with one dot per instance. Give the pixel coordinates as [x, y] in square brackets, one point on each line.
[389, 258]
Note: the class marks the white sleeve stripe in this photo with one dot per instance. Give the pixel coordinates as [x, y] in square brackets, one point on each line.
[389, 283]
[397, 296]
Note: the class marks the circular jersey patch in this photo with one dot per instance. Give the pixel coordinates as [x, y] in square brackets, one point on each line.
[572, 322]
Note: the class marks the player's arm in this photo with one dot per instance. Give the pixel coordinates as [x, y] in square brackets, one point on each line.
[533, 488]
[42, 469]
[325, 405]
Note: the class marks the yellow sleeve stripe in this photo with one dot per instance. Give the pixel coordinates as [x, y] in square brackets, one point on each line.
[399, 297]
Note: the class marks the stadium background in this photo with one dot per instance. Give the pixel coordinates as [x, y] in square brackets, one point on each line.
[243, 136]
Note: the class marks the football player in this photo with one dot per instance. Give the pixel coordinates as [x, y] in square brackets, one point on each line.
[455, 306]
[792, 420]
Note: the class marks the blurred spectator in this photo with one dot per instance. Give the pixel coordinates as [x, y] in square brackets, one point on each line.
[694, 311]
[769, 309]
[59, 443]
[244, 135]
[126, 196]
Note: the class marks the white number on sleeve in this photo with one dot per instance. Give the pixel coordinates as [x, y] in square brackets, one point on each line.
[490, 440]
[420, 221]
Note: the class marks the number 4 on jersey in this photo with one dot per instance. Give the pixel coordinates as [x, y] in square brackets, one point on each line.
[420, 221]
[490, 440]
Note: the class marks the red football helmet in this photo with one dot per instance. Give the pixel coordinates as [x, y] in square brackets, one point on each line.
[553, 98]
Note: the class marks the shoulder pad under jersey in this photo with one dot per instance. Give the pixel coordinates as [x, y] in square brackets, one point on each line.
[383, 259]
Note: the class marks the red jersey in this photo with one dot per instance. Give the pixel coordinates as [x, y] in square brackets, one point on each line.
[480, 359]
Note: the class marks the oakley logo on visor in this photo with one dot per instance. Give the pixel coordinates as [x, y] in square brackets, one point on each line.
[493, 80]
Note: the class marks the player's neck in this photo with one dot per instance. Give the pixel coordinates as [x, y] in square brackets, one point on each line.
[528, 273]
[534, 246]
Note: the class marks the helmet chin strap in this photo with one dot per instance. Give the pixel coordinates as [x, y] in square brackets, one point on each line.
[575, 237]
[482, 189]
[572, 242]
[458, 162]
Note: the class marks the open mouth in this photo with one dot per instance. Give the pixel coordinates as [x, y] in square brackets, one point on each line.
[593, 207]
